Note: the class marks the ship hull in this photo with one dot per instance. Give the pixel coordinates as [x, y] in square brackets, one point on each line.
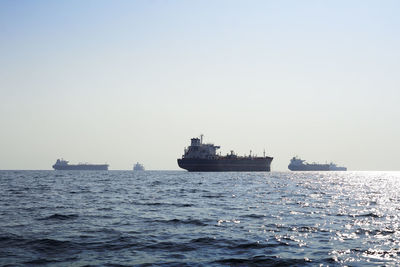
[226, 165]
[315, 167]
[309, 168]
[338, 169]
[83, 167]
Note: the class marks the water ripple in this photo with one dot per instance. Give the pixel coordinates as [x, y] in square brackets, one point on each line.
[175, 218]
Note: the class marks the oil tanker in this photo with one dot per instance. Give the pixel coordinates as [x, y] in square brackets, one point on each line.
[199, 157]
[297, 164]
[62, 164]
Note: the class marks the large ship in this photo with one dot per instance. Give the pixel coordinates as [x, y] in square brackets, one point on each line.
[297, 164]
[199, 157]
[62, 164]
[138, 167]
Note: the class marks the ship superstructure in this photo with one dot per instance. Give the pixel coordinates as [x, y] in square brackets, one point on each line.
[297, 164]
[62, 164]
[202, 157]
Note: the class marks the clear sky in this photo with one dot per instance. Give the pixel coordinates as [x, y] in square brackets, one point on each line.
[127, 81]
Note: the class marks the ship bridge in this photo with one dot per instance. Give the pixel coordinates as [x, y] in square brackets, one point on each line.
[199, 150]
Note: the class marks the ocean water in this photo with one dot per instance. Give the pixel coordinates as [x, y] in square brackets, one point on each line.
[176, 218]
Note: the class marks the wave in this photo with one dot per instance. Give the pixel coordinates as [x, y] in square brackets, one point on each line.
[255, 216]
[183, 205]
[256, 245]
[171, 246]
[214, 195]
[263, 261]
[374, 232]
[116, 244]
[57, 216]
[203, 241]
[42, 245]
[177, 221]
[48, 244]
[371, 214]
[9, 240]
[43, 261]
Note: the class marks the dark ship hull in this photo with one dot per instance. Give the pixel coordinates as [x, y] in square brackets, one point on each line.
[310, 167]
[82, 167]
[226, 164]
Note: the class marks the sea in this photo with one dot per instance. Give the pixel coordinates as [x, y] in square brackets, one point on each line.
[177, 218]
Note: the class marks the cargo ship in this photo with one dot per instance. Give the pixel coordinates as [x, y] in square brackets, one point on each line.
[62, 164]
[138, 167]
[297, 164]
[199, 157]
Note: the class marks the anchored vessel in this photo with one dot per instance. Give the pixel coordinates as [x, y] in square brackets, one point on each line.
[138, 167]
[297, 164]
[62, 164]
[199, 157]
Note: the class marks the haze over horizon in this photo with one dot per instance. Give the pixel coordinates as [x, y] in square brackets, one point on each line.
[127, 81]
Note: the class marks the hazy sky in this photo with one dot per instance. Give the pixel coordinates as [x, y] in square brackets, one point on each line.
[127, 81]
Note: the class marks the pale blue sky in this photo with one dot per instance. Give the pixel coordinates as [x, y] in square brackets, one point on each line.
[127, 81]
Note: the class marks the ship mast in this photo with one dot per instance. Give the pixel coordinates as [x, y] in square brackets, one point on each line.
[201, 138]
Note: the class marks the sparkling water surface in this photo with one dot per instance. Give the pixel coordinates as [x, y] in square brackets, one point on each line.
[176, 218]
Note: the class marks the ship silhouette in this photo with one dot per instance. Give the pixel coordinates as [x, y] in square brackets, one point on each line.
[200, 157]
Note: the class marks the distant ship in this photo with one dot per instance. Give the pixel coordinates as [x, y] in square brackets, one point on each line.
[297, 164]
[138, 167]
[199, 157]
[62, 164]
